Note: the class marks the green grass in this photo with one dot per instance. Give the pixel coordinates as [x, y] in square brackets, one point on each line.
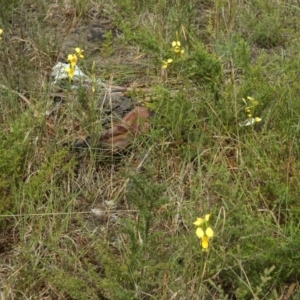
[195, 160]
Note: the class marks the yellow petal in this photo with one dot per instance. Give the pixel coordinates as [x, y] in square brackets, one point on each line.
[206, 218]
[209, 232]
[169, 60]
[198, 222]
[173, 44]
[165, 64]
[1, 31]
[204, 242]
[199, 232]
[250, 98]
[257, 119]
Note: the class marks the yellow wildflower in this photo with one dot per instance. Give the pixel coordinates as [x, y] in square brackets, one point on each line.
[79, 52]
[70, 71]
[72, 58]
[204, 231]
[166, 63]
[250, 111]
[0, 34]
[176, 45]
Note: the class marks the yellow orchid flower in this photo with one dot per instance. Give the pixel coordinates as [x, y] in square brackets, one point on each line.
[204, 231]
[70, 72]
[176, 45]
[72, 58]
[166, 63]
[250, 111]
[79, 52]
